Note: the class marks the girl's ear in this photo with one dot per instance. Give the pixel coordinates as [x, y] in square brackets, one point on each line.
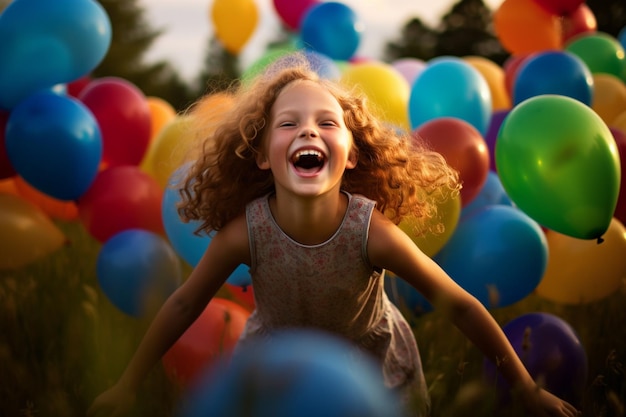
[353, 158]
[261, 161]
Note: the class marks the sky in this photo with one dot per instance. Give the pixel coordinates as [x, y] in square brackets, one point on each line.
[187, 26]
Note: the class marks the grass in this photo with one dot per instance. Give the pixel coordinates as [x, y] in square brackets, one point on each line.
[63, 343]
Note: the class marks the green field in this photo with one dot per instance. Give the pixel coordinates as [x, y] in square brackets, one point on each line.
[63, 342]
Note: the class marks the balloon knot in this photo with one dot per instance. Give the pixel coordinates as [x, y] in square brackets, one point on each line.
[600, 240]
[244, 288]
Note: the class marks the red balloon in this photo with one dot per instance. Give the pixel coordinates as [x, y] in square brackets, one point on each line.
[121, 198]
[6, 169]
[559, 7]
[580, 21]
[213, 335]
[463, 147]
[510, 67]
[291, 12]
[77, 86]
[124, 118]
[243, 295]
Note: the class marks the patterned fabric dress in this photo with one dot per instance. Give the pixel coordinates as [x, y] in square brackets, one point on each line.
[333, 287]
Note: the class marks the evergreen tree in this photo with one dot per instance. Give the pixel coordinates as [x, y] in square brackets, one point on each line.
[416, 40]
[220, 69]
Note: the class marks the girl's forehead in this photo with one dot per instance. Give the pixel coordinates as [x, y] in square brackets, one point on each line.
[305, 90]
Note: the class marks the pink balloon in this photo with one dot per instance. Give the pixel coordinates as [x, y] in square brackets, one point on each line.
[410, 68]
[620, 141]
[292, 11]
[580, 21]
[124, 117]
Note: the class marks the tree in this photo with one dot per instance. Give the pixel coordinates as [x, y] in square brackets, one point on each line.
[220, 68]
[131, 39]
[610, 15]
[416, 40]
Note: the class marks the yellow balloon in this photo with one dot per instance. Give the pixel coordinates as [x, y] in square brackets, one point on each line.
[235, 22]
[582, 271]
[387, 90]
[609, 96]
[494, 75]
[619, 122]
[431, 243]
[26, 233]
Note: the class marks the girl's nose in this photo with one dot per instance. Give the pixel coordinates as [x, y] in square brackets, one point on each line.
[307, 132]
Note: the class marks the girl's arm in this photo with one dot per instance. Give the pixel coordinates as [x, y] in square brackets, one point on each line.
[390, 248]
[226, 251]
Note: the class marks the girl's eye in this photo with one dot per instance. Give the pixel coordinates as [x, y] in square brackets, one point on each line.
[286, 124]
[328, 123]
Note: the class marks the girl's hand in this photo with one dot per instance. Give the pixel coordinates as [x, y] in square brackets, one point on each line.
[540, 403]
[117, 401]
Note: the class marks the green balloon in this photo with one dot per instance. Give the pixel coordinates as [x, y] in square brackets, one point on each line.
[559, 163]
[601, 52]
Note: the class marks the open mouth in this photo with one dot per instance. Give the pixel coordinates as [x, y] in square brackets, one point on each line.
[308, 161]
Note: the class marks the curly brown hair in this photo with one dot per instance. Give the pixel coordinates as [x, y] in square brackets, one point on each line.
[394, 168]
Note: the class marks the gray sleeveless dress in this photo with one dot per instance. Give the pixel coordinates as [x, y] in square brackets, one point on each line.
[333, 287]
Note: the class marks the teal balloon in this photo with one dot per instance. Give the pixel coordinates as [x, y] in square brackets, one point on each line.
[559, 163]
[450, 87]
[44, 43]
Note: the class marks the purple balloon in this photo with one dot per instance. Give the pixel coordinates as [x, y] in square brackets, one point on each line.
[552, 353]
[497, 117]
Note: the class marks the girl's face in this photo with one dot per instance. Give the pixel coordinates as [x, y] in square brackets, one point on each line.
[308, 146]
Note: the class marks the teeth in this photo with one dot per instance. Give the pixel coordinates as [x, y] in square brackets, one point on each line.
[308, 152]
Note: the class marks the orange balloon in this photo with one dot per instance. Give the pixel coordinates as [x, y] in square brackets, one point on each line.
[582, 271]
[57, 209]
[609, 96]
[161, 112]
[7, 186]
[235, 22]
[522, 26]
[620, 122]
[495, 77]
[26, 233]
[213, 335]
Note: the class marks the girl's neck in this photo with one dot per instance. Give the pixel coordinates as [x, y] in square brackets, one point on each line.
[310, 220]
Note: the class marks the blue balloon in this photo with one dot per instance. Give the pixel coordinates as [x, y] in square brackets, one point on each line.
[491, 193]
[49, 42]
[183, 239]
[450, 87]
[498, 254]
[332, 29]
[303, 373]
[551, 351]
[408, 300]
[55, 144]
[553, 72]
[137, 270]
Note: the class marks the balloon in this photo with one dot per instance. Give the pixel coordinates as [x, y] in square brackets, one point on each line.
[169, 149]
[123, 115]
[137, 270]
[409, 68]
[121, 198]
[494, 75]
[492, 135]
[551, 352]
[522, 26]
[26, 233]
[258, 66]
[332, 29]
[431, 243]
[75, 87]
[620, 140]
[498, 254]
[212, 336]
[620, 122]
[579, 21]
[48, 43]
[558, 162]
[243, 295]
[386, 90]
[553, 72]
[601, 52]
[55, 144]
[181, 235]
[492, 193]
[511, 67]
[54, 208]
[235, 21]
[560, 7]
[161, 112]
[450, 87]
[464, 149]
[609, 97]
[6, 169]
[583, 271]
[293, 373]
[291, 12]
[409, 301]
